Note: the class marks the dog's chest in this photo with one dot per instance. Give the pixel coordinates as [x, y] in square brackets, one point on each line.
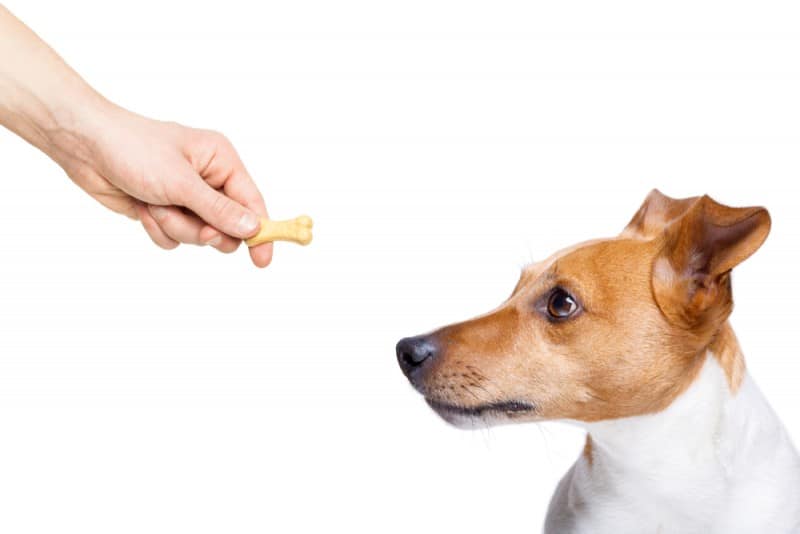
[710, 463]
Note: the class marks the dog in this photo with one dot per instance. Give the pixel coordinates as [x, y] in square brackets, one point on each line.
[629, 337]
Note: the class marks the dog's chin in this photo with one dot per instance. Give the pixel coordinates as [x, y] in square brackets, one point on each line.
[482, 415]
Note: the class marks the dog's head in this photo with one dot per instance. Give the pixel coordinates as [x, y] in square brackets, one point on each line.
[605, 329]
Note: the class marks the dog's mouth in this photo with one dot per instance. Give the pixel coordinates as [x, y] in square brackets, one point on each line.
[449, 412]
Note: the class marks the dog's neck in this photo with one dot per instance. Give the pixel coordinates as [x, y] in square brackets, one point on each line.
[708, 452]
[703, 428]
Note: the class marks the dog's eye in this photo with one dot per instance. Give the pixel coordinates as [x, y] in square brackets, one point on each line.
[561, 304]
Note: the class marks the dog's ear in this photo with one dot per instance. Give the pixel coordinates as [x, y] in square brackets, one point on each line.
[656, 212]
[691, 274]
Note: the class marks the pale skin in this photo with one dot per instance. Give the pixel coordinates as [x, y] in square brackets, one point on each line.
[184, 185]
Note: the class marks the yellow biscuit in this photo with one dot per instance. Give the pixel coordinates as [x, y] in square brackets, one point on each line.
[297, 230]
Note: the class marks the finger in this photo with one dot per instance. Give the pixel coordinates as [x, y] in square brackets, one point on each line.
[261, 255]
[153, 229]
[188, 228]
[222, 242]
[178, 224]
[226, 171]
[218, 210]
[241, 188]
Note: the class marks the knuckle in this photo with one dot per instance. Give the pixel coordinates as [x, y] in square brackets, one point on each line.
[229, 247]
[221, 205]
[161, 214]
[148, 223]
[222, 138]
[155, 235]
[224, 207]
[217, 138]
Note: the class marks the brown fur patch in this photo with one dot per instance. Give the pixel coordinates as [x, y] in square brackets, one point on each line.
[725, 349]
[587, 450]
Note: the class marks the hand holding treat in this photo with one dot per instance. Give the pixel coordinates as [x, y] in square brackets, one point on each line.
[184, 185]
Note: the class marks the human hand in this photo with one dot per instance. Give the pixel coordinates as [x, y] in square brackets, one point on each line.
[185, 185]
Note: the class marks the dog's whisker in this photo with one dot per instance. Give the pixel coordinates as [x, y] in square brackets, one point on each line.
[546, 444]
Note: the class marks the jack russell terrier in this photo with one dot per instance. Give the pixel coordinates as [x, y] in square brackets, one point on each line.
[629, 338]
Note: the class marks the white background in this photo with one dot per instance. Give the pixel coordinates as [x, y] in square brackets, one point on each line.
[439, 146]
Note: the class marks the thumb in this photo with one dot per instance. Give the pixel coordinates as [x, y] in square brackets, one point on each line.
[221, 211]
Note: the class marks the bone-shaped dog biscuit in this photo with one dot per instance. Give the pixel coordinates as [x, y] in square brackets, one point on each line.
[297, 230]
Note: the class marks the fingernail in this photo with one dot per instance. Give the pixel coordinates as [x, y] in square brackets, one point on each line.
[214, 241]
[158, 212]
[248, 224]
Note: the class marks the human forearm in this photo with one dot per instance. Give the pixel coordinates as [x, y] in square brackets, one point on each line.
[41, 98]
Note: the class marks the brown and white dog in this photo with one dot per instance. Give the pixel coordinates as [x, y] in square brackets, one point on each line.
[629, 338]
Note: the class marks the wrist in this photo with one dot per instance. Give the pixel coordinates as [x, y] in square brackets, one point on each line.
[73, 126]
[62, 122]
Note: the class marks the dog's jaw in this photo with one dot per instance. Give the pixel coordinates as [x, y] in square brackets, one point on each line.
[482, 415]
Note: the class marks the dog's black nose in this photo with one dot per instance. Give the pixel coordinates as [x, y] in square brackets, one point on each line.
[413, 352]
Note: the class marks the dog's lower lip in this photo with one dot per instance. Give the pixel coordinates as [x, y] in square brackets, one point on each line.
[507, 407]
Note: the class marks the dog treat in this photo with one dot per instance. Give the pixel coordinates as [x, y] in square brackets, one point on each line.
[297, 230]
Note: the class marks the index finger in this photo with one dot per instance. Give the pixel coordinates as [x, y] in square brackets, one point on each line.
[240, 187]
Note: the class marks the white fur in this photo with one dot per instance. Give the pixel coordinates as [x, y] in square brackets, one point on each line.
[712, 462]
